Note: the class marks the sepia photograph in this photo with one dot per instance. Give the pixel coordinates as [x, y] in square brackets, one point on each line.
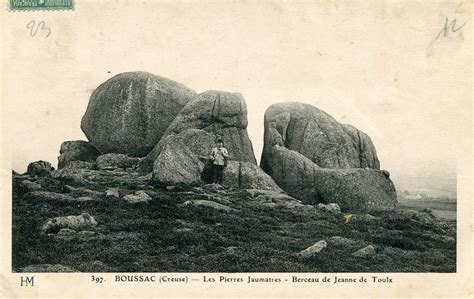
[269, 143]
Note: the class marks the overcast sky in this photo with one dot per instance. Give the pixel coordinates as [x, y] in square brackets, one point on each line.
[379, 68]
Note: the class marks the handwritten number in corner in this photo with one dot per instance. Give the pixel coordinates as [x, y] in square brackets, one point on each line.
[41, 26]
[450, 27]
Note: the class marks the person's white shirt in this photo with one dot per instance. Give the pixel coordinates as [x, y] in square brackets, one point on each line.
[219, 155]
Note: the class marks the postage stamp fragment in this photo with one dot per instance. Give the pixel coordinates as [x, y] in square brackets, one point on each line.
[41, 4]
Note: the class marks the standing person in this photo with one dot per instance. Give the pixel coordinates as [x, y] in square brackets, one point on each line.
[219, 155]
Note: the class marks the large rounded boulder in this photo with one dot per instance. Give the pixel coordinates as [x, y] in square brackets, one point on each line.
[130, 112]
[317, 160]
[319, 137]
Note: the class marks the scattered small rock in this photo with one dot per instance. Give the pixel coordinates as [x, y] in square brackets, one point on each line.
[313, 249]
[272, 199]
[170, 188]
[207, 203]
[331, 207]
[139, 196]
[112, 192]
[30, 186]
[364, 252]
[79, 222]
[47, 195]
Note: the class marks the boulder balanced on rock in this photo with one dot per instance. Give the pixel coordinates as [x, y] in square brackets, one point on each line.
[223, 114]
[323, 143]
[129, 113]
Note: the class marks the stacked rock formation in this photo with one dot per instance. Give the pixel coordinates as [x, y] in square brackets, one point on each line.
[140, 120]
[222, 114]
[182, 153]
[318, 160]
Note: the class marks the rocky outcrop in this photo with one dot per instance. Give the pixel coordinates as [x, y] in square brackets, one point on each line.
[129, 113]
[77, 150]
[300, 140]
[39, 168]
[223, 114]
[318, 136]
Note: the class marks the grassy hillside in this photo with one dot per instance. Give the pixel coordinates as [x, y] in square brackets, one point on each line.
[255, 235]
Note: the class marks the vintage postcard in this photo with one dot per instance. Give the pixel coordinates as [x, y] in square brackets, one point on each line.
[236, 149]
